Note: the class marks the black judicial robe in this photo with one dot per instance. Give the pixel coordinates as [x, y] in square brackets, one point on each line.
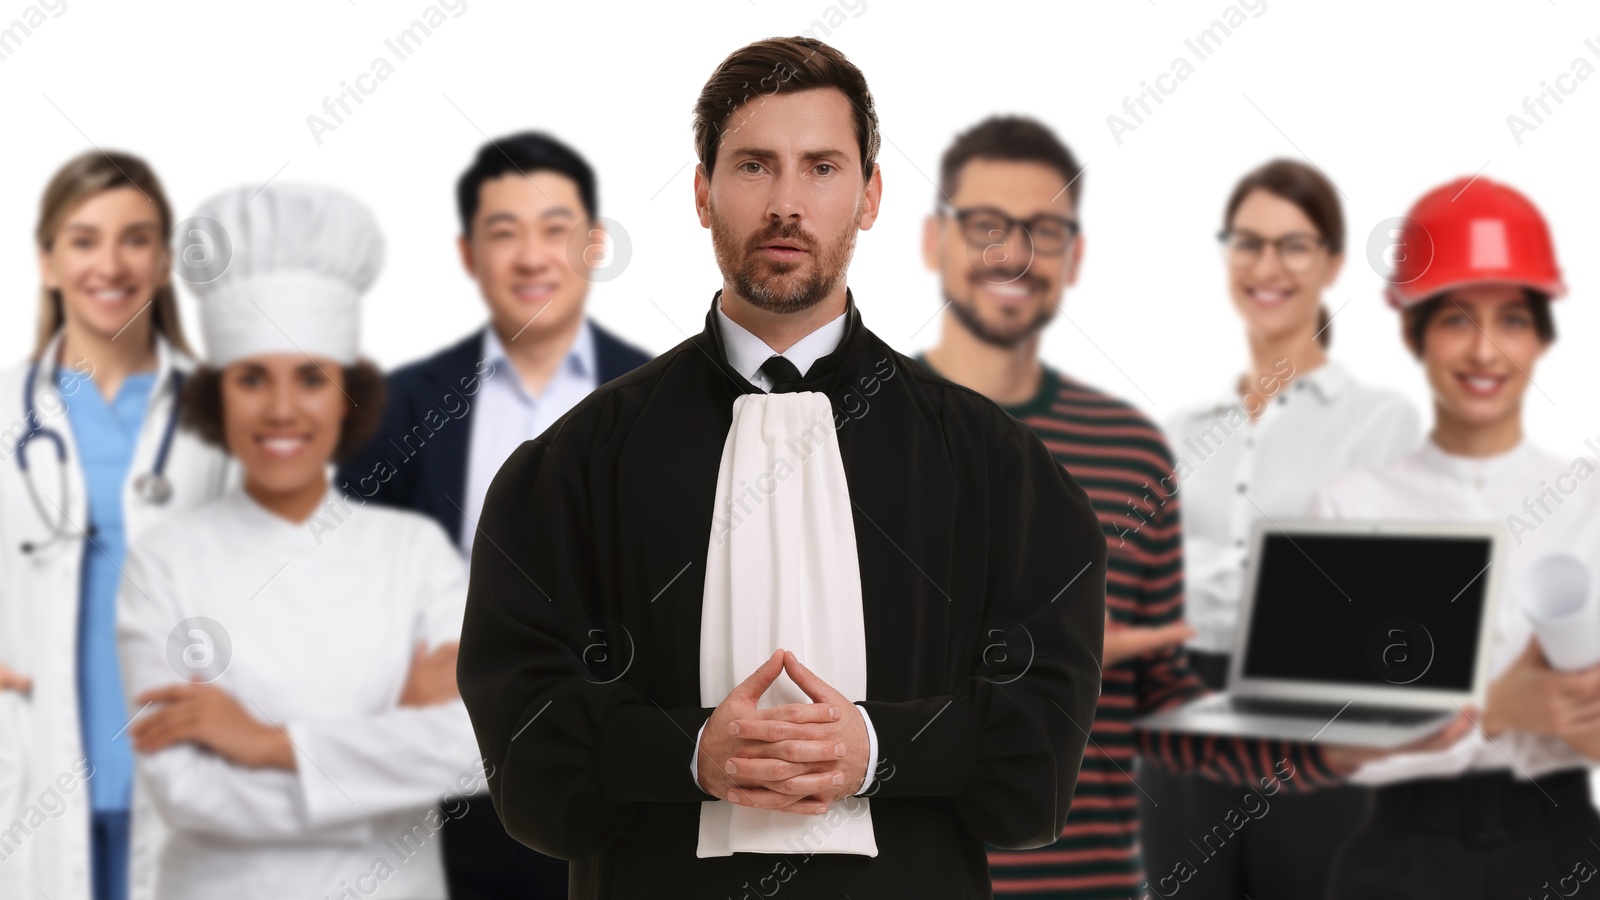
[983, 586]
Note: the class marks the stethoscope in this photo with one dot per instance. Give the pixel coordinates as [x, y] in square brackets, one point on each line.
[152, 487]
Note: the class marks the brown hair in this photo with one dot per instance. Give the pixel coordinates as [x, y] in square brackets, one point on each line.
[1418, 316]
[1012, 139]
[363, 382]
[1310, 190]
[90, 173]
[782, 64]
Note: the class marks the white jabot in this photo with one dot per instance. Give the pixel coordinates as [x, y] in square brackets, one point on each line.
[1233, 471]
[746, 352]
[1549, 506]
[782, 571]
[296, 259]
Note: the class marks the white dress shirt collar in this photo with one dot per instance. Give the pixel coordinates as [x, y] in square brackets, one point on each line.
[1325, 382]
[579, 361]
[747, 353]
[1327, 379]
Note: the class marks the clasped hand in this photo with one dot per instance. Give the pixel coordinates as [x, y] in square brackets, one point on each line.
[797, 757]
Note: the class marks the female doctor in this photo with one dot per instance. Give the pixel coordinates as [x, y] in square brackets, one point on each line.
[291, 651]
[1506, 810]
[89, 459]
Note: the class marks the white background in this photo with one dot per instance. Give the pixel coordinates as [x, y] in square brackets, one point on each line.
[1388, 98]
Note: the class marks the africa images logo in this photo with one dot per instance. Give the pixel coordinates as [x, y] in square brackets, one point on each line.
[1400, 650]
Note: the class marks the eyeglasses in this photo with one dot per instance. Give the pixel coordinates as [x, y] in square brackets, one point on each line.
[1297, 251]
[985, 227]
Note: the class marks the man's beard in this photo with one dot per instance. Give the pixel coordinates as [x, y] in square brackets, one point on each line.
[1009, 338]
[765, 283]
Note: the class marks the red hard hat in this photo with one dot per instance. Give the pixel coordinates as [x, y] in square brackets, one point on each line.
[1472, 231]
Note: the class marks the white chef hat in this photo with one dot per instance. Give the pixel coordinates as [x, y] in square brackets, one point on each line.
[300, 257]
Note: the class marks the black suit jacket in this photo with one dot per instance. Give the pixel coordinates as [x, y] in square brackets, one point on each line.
[418, 459]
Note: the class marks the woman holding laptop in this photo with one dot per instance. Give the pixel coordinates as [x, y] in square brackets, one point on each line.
[1504, 811]
[1259, 450]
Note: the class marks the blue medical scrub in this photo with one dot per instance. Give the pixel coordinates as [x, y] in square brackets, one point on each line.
[106, 435]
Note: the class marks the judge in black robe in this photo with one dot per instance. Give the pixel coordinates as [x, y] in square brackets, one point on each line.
[983, 583]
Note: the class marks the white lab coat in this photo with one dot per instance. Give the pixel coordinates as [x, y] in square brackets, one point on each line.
[44, 800]
[318, 622]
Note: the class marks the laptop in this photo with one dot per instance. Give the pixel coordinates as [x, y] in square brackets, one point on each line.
[1369, 634]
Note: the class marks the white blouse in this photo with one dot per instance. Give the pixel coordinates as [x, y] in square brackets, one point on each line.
[1231, 471]
[1546, 508]
[316, 624]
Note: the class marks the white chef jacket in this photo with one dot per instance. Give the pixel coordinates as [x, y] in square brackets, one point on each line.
[322, 618]
[1232, 470]
[1431, 484]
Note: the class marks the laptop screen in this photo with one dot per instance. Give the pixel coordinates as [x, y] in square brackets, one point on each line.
[1370, 610]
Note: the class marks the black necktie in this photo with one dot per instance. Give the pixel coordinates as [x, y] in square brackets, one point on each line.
[783, 374]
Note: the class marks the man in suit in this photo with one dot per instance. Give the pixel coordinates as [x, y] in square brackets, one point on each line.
[529, 224]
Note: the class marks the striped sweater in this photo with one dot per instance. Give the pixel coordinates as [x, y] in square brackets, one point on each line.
[1122, 462]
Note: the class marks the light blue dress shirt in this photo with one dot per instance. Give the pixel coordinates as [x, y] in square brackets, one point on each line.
[509, 414]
